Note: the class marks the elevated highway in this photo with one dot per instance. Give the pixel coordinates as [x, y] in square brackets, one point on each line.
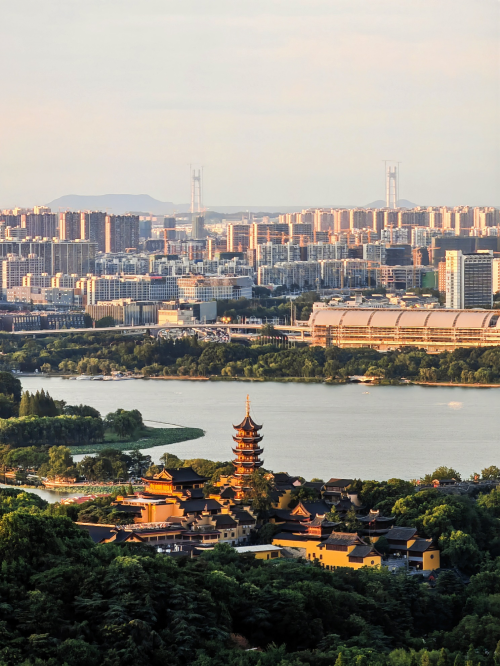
[298, 332]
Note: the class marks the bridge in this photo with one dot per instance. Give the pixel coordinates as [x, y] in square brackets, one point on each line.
[300, 332]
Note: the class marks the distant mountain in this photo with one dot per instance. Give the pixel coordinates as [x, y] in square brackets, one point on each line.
[115, 203]
[380, 203]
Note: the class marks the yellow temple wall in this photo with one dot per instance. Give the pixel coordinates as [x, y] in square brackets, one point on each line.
[432, 560]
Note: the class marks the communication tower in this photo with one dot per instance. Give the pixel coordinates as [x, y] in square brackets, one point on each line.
[391, 184]
[196, 198]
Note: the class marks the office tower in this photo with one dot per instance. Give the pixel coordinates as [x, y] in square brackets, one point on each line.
[198, 228]
[145, 229]
[69, 226]
[238, 237]
[398, 255]
[169, 223]
[469, 280]
[122, 233]
[14, 268]
[43, 225]
[467, 245]
[93, 228]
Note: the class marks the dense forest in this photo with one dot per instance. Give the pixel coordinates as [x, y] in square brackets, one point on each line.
[64, 600]
[101, 353]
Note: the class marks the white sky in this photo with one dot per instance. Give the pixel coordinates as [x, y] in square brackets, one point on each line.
[284, 102]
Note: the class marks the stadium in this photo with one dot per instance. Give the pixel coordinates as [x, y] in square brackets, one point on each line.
[393, 328]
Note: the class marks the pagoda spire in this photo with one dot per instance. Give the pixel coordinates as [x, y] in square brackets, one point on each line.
[247, 452]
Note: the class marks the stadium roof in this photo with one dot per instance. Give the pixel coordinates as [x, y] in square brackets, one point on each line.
[405, 318]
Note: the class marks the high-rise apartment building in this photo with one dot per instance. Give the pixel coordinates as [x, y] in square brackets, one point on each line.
[238, 237]
[268, 232]
[300, 232]
[43, 225]
[341, 220]
[469, 280]
[324, 220]
[69, 226]
[357, 218]
[93, 228]
[14, 268]
[58, 256]
[122, 233]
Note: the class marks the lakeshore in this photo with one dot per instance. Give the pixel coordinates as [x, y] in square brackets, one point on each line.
[353, 430]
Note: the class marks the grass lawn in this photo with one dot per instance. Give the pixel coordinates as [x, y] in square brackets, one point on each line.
[146, 439]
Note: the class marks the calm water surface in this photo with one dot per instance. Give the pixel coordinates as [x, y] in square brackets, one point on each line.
[315, 430]
[49, 495]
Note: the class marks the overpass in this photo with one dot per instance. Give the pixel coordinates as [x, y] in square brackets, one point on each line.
[301, 332]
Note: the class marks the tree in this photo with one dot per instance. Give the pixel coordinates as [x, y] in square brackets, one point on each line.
[460, 550]
[8, 406]
[302, 494]
[82, 410]
[260, 492]
[10, 386]
[105, 322]
[490, 473]
[170, 461]
[442, 472]
[139, 463]
[124, 423]
[60, 464]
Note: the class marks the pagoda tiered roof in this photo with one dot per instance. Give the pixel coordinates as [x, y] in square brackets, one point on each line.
[248, 424]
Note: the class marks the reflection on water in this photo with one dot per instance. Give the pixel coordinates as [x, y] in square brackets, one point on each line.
[49, 495]
[314, 430]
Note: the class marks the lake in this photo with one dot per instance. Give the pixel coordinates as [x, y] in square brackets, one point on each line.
[49, 495]
[315, 430]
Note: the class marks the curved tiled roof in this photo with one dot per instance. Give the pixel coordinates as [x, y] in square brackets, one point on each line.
[404, 318]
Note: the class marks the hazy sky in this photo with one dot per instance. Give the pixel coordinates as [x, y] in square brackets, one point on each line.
[284, 102]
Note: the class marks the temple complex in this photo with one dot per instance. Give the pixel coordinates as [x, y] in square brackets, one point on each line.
[247, 454]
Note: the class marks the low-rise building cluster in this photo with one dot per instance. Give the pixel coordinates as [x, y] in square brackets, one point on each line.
[180, 515]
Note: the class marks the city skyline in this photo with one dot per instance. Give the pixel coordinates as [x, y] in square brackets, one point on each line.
[284, 104]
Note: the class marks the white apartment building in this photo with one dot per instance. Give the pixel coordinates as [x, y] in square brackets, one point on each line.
[144, 288]
[14, 268]
[213, 287]
[469, 280]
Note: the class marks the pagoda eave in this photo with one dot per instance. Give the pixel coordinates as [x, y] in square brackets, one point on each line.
[248, 452]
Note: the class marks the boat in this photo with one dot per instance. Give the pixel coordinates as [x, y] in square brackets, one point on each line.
[83, 378]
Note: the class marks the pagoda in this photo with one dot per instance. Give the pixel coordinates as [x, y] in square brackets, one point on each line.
[247, 454]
